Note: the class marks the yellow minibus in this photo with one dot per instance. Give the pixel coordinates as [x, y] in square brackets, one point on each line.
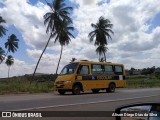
[78, 77]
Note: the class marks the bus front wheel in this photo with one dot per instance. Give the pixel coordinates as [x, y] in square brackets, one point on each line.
[111, 88]
[76, 90]
[61, 92]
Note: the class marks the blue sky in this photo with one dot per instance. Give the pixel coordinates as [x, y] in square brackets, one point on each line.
[21, 53]
[135, 42]
[155, 21]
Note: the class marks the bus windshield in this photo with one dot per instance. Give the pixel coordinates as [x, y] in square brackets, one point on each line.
[69, 69]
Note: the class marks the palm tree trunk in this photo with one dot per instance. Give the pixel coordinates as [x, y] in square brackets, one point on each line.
[104, 56]
[41, 56]
[8, 70]
[59, 59]
[6, 53]
[100, 58]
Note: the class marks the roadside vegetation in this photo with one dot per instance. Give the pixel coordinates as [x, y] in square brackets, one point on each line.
[45, 84]
[146, 77]
[25, 84]
[142, 82]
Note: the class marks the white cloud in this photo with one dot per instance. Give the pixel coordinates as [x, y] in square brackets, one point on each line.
[86, 2]
[28, 19]
[17, 69]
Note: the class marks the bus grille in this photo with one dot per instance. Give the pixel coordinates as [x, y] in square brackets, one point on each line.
[59, 84]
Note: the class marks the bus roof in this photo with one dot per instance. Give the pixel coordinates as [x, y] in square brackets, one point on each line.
[93, 62]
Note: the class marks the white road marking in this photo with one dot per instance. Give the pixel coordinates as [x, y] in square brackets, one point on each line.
[65, 105]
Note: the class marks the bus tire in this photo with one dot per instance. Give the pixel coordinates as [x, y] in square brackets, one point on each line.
[61, 92]
[111, 88]
[95, 90]
[76, 90]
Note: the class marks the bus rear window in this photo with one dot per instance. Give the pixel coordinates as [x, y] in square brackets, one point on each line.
[118, 70]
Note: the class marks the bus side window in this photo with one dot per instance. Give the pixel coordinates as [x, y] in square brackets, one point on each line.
[108, 70]
[97, 69]
[83, 69]
[119, 70]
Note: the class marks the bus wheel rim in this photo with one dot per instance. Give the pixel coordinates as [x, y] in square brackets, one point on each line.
[112, 87]
[76, 90]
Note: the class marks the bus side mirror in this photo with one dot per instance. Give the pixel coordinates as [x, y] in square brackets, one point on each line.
[146, 111]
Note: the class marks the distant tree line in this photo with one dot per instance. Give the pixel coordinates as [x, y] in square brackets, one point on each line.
[41, 78]
[145, 71]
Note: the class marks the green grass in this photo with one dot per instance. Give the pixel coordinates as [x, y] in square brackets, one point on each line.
[21, 85]
[142, 82]
[16, 86]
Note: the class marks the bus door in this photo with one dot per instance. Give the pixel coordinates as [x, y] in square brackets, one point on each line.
[84, 76]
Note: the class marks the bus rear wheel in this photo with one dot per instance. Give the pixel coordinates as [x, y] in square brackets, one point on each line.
[111, 88]
[76, 90]
[95, 90]
[61, 92]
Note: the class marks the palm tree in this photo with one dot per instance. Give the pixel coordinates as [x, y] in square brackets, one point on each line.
[73, 59]
[9, 62]
[2, 29]
[2, 54]
[11, 44]
[59, 11]
[53, 20]
[63, 37]
[102, 50]
[101, 32]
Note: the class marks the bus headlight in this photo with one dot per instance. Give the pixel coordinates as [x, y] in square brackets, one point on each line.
[67, 82]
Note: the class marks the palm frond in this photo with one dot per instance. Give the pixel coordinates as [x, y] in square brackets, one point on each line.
[101, 33]
[2, 20]
[2, 29]
[9, 60]
[94, 26]
[12, 43]
[67, 8]
[109, 30]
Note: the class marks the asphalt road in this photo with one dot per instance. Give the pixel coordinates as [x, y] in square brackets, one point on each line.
[30, 101]
[84, 102]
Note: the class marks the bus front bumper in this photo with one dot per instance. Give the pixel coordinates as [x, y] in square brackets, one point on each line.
[67, 85]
